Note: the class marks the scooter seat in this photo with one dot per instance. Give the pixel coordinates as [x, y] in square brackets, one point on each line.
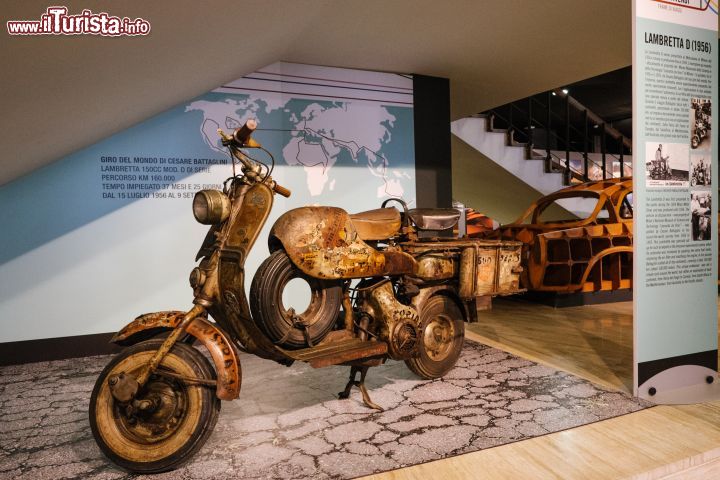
[434, 218]
[377, 224]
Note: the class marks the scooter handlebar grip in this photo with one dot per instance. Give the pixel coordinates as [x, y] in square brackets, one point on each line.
[282, 190]
[242, 135]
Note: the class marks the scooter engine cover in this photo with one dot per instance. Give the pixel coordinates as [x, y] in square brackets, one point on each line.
[404, 340]
[398, 324]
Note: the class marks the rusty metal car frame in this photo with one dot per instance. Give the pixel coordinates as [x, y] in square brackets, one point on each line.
[584, 255]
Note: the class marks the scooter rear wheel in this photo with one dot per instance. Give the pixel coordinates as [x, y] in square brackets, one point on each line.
[276, 319]
[163, 437]
[442, 334]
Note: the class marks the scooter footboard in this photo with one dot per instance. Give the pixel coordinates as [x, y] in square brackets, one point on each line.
[224, 355]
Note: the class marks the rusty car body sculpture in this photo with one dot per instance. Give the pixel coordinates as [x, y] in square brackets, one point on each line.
[577, 255]
[157, 401]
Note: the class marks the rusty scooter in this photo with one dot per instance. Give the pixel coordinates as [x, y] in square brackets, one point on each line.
[156, 403]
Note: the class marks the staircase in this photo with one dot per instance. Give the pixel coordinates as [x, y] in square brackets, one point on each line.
[547, 170]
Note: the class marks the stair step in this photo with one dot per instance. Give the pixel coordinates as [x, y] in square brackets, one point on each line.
[532, 154]
[339, 352]
[514, 143]
[490, 124]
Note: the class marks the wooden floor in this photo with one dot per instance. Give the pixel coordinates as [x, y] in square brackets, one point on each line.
[593, 342]
[651, 444]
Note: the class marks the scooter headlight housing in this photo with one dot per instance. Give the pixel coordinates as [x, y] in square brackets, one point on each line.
[211, 207]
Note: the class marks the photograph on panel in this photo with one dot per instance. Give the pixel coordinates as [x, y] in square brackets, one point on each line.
[700, 174]
[667, 164]
[701, 208]
[700, 122]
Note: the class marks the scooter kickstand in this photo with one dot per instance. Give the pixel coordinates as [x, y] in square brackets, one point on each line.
[361, 385]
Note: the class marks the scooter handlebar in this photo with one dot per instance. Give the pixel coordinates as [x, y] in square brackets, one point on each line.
[281, 190]
[241, 135]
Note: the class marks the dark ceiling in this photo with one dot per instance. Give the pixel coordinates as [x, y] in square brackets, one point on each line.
[608, 95]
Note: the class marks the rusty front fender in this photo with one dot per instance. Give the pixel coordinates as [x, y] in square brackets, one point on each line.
[222, 351]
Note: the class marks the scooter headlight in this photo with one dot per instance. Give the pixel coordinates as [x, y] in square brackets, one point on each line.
[211, 207]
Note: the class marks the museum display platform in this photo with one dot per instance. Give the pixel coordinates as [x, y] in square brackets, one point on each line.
[301, 430]
[592, 341]
[289, 423]
[663, 442]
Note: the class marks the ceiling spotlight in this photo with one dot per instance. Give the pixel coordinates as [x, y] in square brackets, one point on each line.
[565, 91]
[554, 94]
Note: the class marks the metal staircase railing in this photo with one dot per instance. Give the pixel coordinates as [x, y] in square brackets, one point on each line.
[594, 169]
[531, 122]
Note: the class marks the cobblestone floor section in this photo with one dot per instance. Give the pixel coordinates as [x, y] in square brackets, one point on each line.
[288, 423]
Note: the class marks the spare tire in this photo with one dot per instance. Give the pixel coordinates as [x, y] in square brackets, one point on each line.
[277, 320]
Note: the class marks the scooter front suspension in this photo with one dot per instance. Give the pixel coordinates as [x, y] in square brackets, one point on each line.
[169, 342]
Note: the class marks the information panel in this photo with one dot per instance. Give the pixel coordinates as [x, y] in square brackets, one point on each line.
[675, 84]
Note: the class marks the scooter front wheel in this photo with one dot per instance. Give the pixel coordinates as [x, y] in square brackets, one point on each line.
[168, 420]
